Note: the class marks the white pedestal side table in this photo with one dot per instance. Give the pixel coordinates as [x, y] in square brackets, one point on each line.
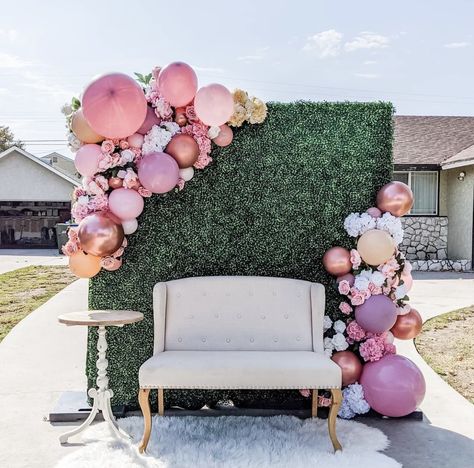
[103, 394]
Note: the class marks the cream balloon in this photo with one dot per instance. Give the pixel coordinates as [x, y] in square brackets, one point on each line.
[186, 174]
[375, 247]
[130, 226]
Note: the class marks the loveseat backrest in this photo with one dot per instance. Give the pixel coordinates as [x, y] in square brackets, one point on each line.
[238, 313]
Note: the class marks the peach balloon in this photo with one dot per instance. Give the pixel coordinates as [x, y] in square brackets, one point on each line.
[375, 247]
[114, 105]
[396, 198]
[83, 130]
[115, 182]
[84, 265]
[100, 234]
[136, 140]
[225, 137]
[408, 326]
[177, 83]
[214, 104]
[337, 261]
[350, 365]
[184, 149]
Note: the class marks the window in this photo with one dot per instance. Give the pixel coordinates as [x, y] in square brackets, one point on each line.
[424, 185]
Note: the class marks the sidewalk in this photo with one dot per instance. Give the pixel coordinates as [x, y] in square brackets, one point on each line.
[12, 259]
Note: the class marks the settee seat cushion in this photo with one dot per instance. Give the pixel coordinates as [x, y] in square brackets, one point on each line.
[240, 370]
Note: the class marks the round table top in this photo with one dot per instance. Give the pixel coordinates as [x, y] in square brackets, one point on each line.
[101, 318]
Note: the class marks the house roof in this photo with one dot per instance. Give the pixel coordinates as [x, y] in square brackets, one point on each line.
[433, 139]
[42, 163]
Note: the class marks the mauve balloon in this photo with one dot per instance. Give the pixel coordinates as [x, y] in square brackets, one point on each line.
[349, 277]
[100, 234]
[158, 172]
[393, 386]
[150, 119]
[377, 314]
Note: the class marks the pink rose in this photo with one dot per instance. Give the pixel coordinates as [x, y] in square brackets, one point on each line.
[155, 73]
[306, 392]
[355, 259]
[108, 146]
[118, 253]
[390, 348]
[203, 161]
[102, 182]
[355, 331]
[191, 114]
[323, 401]
[125, 242]
[345, 308]
[374, 290]
[344, 287]
[180, 184]
[110, 263]
[70, 248]
[371, 350]
[124, 144]
[357, 297]
[144, 192]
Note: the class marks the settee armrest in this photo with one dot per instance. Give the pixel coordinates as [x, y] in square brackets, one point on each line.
[318, 304]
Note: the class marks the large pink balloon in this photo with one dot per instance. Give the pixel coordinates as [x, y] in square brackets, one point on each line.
[125, 203]
[377, 314]
[87, 159]
[114, 105]
[177, 83]
[158, 172]
[150, 119]
[214, 104]
[393, 386]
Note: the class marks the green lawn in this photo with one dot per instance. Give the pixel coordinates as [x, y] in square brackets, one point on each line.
[447, 345]
[23, 290]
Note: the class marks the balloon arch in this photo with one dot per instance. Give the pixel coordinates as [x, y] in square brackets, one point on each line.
[137, 138]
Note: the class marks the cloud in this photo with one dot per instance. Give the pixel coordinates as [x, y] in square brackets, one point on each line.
[12, 61]
[457, 45]
[367, 76]
[324, 44]
[367, 40]
[9, 34]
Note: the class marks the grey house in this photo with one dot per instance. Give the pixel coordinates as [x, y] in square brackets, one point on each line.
[435, 157]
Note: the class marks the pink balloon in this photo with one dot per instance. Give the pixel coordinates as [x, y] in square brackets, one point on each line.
[214, 104]
[158, 172]
[225, 137]
[177, 83]
[347, 277]
[377, 314]
[87, 159]
[407, 280]
[125, 203]
[393, 386]
[135, 140]
[150, 120]
[114, 105]
[374, 212]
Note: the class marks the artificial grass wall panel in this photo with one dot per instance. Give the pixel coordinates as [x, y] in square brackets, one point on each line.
[270, 204]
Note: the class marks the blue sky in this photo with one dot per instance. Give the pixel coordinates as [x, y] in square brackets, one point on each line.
[417, 54]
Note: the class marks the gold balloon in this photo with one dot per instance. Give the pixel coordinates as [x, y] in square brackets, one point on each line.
[337, 261]
[375, 247]
[84, 265]
[100, 234]
[184, 149]
[350, 365]
[396, 198]
[408, 326]
[82, 129]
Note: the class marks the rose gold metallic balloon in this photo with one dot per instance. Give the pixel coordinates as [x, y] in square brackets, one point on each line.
[100, 234]
[82, 129]
[350, 365]
[337, 261]
[184, 149]
[408, 326]
[375, 247]
[115, 182]
[225, 137]
[84, 265]
[180, 116]
[396, 198]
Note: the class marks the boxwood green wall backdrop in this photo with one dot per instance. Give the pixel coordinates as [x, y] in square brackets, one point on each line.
[270, 204]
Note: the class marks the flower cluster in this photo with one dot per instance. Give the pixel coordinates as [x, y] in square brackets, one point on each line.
[247, 109]
[357, 224]
[353, 402]
[158, 137]
[336, 342]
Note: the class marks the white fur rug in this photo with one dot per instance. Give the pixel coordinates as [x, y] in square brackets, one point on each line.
[232, 442]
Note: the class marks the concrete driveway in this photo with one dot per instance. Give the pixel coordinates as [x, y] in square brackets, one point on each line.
[12, 259]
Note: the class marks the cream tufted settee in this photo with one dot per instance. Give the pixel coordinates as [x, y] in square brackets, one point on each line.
[239, 332]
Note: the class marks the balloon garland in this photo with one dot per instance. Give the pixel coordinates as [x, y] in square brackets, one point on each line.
[136, 138]
[374, 279]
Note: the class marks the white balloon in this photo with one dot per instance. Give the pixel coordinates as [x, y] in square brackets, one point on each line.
[130, 226]
[390, 338]
[186, 174]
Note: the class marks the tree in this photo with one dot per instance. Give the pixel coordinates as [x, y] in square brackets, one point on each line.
[7, 139]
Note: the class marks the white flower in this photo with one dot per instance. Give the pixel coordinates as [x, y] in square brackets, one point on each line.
[366, 223]
[339, 326]
[327, 322]
[378, 278]
[328, 352]
[352, 224]
[83, 200]
[157, 138]
[172, 127]
[339, 342]
[328, 344]
[353, 402]
[401, 291]
[392, 225]
[213, 132]
[73, 142]
[127, 155]
[66, 109]
[361, 283]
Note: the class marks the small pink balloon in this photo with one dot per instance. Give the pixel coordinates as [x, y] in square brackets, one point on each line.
[347, 277]
[407, 279]
[158, 172]
[374, 212]
[177, 83]
[114, 105]
[87, 159]
[214, 104]
[125, 203]
[150, 120]
[225, 137]
[135, 140]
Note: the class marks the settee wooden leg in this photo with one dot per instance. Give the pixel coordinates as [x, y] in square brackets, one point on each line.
[336, 403]
[143, 400]
[314, 403]
[161, 402]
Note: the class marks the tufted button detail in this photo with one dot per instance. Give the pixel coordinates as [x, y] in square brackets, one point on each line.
[227, 340]
[203, 340]
[204, 293]
[180, 339]
[262, 317]
[227, 294]
[298, 294]
[178, 294]
[250, 293]
[239, 316]
[298, 338]
[216, 315]
[274, 293]
[190, 316]
[275, 340]
[286, 316]
[251, 340]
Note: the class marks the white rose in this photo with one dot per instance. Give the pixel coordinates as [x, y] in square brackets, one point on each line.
[328, 352]
[213, 132]
[378, 278]
[339, 326]
[327, 323]
[401, 291]
[361, 283]
[83, 200]
[127, 155]
[339, 342]
[328, 343]
[352, 224]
